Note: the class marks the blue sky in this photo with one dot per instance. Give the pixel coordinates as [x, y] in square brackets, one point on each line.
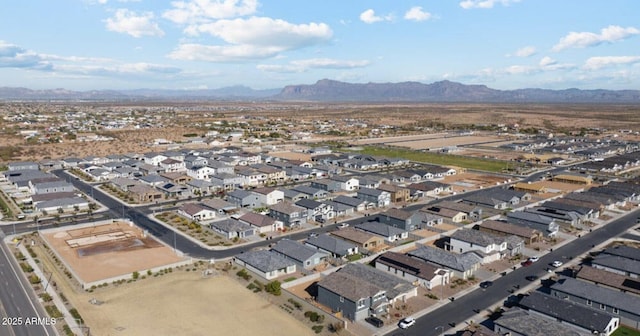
[188, 44]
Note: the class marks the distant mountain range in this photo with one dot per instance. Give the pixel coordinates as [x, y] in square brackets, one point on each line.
[334, 91]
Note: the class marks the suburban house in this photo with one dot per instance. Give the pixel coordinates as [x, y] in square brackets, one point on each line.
[462, 265]
[67, 204]
[266, 263]
[358, 291]
[233, 228]
[243, 198]
[201, 187]
[304, 256]
[289, 214]
[492, 247]
[377, 197]
[336, 248]
[621, 259]
[616, 303]
[196, 212]
[428, 188]
[220, 206]
[315, 210]
[312, 193]
[614, 281]
[506, 229]
[362, 239]
[262, 223]
[340, 209]
[586, 319]
[201, 172]
[390, 233]
[346, 183]
[268, 196]
[397, 194]
[326, 184]
[547, 225]
[51, 187]
[416, 271]
[517, 322]
[292, 195]
[405, 220]
[145, 194]
[358, 204]
[449, 214]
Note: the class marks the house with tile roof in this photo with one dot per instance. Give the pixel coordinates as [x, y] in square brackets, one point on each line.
[262, 223]
[462, 265]
[335, 247]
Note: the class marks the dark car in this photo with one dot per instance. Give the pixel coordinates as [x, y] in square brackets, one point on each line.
[531, 277]
[376, 322]
[527, 263]
[486, 284]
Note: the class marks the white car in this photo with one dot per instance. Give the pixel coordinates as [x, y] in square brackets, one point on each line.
[534, 259]
[556, 263]
[343, 225]
[406, 322]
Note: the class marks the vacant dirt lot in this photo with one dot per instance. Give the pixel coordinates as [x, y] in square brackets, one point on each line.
[104, 251]
[183, 303]
[447, 141]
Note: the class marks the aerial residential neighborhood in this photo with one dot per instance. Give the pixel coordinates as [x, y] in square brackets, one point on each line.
[300, 168]
[369, 242]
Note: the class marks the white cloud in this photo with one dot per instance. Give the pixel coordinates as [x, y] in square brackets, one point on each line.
[595, 63]
[136, 25]
[250, 39]
[417, 14]
[520, 69]
[13, 56]
[369, 16]
[230, 53]
[587, 39]
[469, 4]
[547, 61]
[314, 63]
[525, 51]
[199, 11]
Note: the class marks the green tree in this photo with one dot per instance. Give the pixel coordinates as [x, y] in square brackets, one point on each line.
[274, 287]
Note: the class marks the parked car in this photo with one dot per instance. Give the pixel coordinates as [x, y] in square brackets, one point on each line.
[343, 225]
[526, 263]
[313, 235]
[406, 322]
[376, 322]
[556, 263]
[486, 284]
[531, 277]
[534, 259]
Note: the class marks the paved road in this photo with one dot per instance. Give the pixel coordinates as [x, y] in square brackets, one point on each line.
[465, 307]
[18, 301]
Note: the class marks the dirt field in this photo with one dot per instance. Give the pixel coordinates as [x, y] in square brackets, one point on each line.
[446, 141]
[183, 303]
[104, 251]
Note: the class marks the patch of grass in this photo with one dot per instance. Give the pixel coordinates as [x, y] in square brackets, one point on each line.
[626, 331]
[439, 159]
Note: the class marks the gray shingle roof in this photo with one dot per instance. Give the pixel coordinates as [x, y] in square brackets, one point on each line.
[331, 244]
[413, 266]
[264, 260]
[568, 311]
[477, 237]
[609, 297]
[231, 225]
[458, 262]
[349, 286]
[380, 229]
[624, 251]
[351, 201]
[616, 262]
[393, 285]
[295, 250]
[525, 323]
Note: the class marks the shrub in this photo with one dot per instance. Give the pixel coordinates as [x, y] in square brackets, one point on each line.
[135, 275]
[274, 287]
[26, 267]
[46, 297]
[244, 274]
[76, 315]
[34, 279]
[317, 329]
